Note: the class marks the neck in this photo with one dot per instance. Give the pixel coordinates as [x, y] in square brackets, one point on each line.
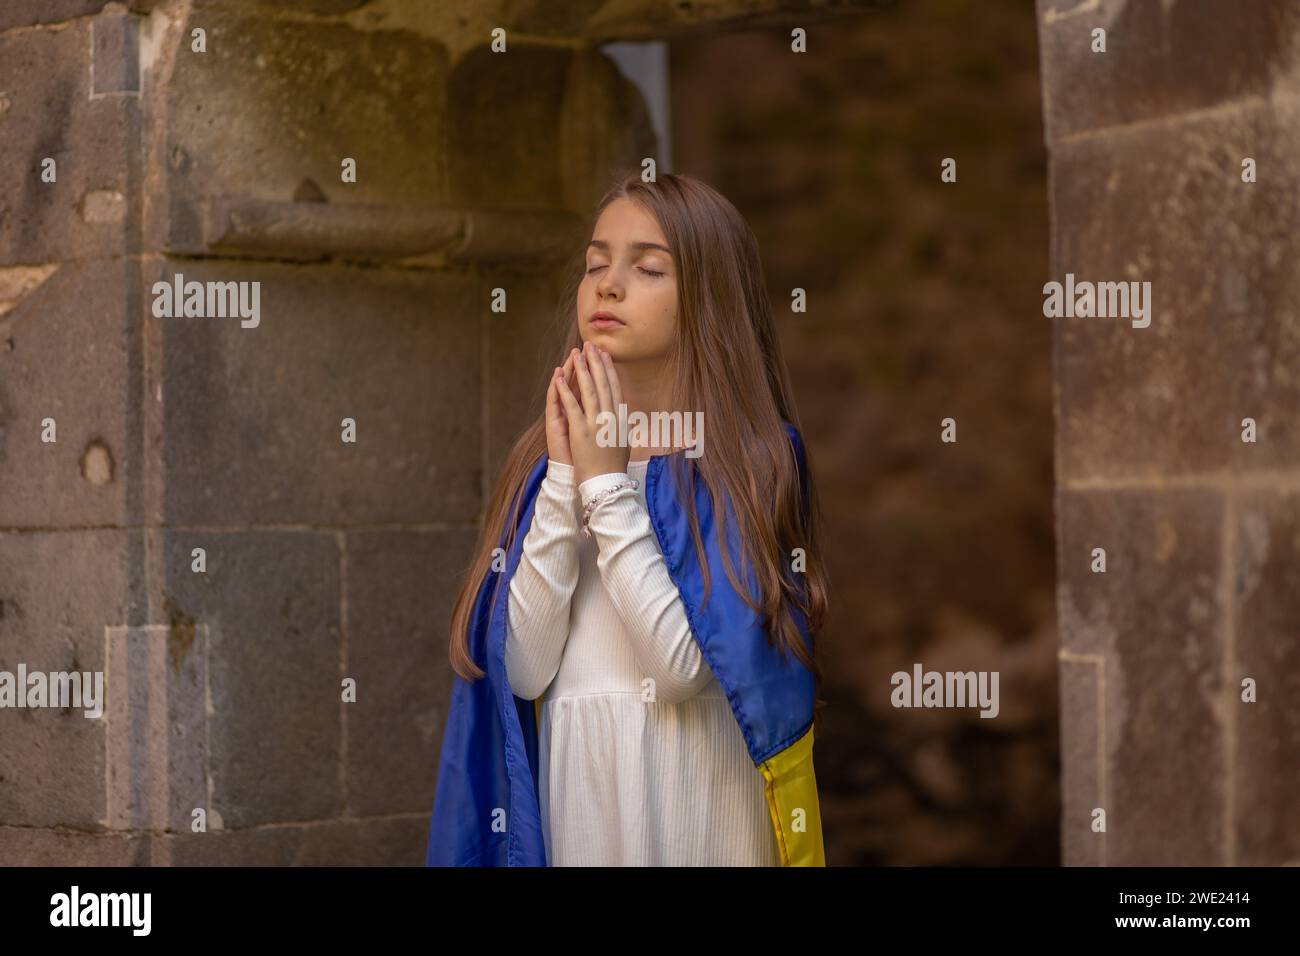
[646, 388]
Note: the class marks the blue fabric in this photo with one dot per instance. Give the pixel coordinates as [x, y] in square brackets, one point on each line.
[486, 810]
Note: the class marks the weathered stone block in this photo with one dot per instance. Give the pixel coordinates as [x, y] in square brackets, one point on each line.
[65, 354]
[655, 19]
[390, 841]
[505, 148]
[297, 99]
[400, 590]
[1081, 762]
[1155, 616]
[33, 846]
[59, 593]
[387, 841]
[270, 601]
[1160, 58]
[1167, 205]
[253, 416]
[1266, 774]
[25, 13]
[522, 346]
[1162, 566]
[272, 7]
[46, 112]
[156, 731]
[115, 55]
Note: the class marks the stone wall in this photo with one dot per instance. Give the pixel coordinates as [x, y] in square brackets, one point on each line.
[1201, 529]
[324, 560]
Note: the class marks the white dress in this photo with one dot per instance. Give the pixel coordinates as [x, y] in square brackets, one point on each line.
[642, 761]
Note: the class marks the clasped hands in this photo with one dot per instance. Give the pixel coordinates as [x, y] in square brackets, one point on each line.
[572, 421]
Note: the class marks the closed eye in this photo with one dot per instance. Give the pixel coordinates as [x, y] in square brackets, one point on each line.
[649, 272]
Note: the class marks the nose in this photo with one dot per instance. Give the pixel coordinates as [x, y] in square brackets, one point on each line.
[607, 288]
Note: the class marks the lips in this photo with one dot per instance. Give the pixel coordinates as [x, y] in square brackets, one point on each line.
[605, 320]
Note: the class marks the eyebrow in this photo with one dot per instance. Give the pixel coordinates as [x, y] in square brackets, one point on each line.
[641, 246]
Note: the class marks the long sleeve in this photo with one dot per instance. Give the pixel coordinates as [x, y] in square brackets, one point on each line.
[542, 586]
[636, 579]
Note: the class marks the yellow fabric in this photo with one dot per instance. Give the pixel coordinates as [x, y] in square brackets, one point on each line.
[792, 798]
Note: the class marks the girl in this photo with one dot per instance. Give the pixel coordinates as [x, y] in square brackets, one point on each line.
[660, 601]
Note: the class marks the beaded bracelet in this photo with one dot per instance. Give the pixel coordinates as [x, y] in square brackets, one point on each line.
[600, 497]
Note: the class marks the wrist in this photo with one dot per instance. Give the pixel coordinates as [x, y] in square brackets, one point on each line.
[595, 491]
[562, 474]
[593, 485]
[587, 472]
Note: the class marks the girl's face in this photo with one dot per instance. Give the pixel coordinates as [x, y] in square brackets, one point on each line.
[630, 275]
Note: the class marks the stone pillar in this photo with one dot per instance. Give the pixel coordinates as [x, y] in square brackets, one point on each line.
[200, 530]
[1150, 141]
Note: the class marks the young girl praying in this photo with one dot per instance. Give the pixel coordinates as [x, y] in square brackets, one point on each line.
[636, 683]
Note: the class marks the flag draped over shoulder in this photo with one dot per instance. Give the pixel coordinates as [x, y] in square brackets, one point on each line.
[486, 810]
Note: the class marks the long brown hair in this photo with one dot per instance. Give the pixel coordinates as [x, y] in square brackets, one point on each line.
[726, 363]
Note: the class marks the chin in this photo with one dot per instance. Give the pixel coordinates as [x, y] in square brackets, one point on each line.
[607, 340]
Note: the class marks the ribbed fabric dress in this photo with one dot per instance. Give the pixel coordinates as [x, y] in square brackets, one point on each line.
[625, 781]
